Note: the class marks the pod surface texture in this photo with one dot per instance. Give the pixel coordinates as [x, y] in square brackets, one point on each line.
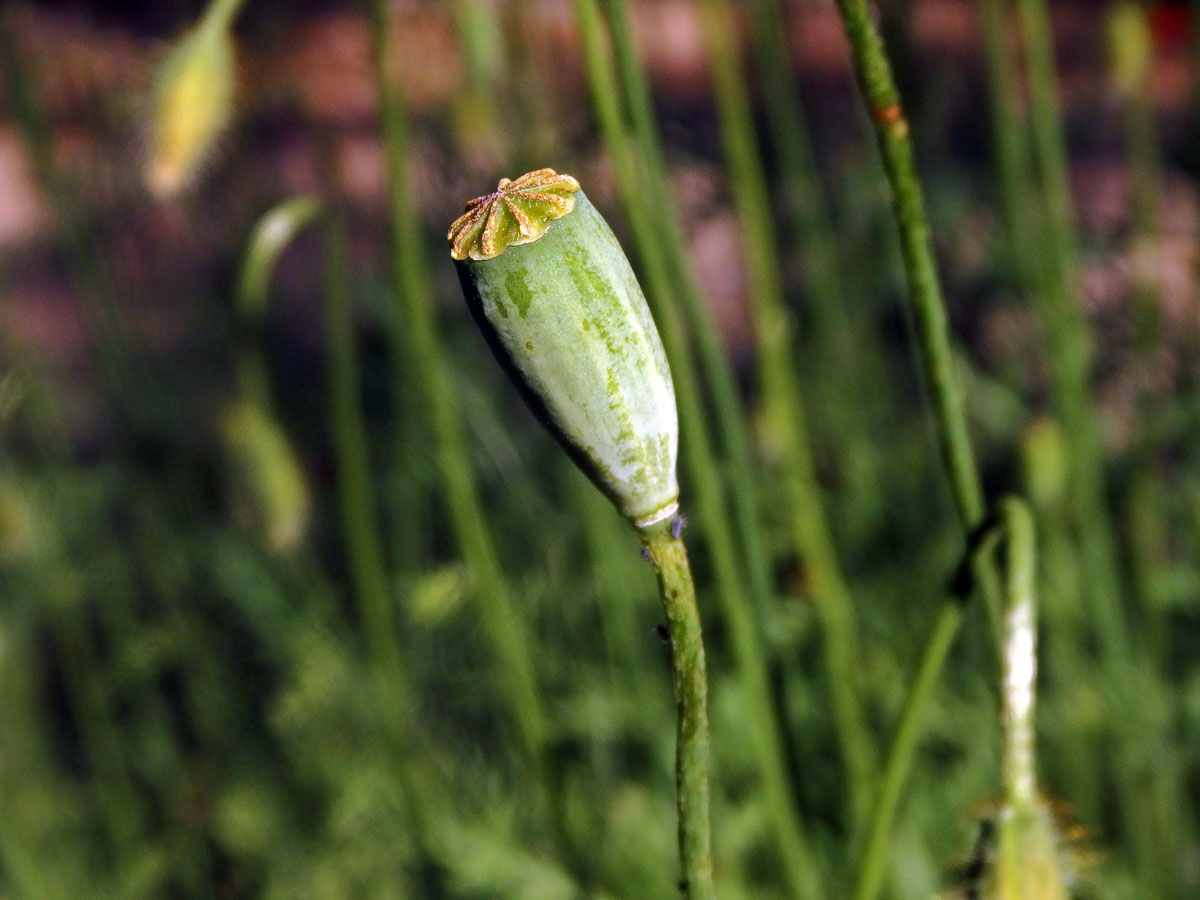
[567, 319]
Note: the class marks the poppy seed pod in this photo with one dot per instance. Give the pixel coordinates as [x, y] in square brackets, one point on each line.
[553, 293]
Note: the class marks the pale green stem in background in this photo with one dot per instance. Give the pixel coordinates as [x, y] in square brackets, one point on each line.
[1068, 337]
[1143, 769]
[876, 852]
[504, 630]
[876, 855]
[272, 236]
[705, 478]
[364, 546]
[803, 193]
[669, 242]
[1011, 145]
[782, 398]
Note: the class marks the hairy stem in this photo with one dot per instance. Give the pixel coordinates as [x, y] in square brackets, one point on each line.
[1020, 653]
[690, 682]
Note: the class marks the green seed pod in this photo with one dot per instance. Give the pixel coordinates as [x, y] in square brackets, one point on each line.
[193, 102]
[555, 297]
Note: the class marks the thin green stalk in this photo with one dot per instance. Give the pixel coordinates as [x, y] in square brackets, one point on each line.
[876, 852]
[93, 279]
[730, 419]
[1011, 143]
[782, 399]
[1140, 772]
[504, 630]
[1020, 653]
[1068, 336]
[605, 534]
[836, 325]
[924, 287]
[803, 194]
[1141, 148]
[705, 478]
[1024, 232]
[933, 341]
[690, 681]
[925, 292]
[1131, 55]
[364, 546]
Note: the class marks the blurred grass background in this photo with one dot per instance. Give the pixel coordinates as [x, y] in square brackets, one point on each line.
[296, 600]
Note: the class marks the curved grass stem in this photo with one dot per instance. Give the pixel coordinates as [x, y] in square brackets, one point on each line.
[876, 854]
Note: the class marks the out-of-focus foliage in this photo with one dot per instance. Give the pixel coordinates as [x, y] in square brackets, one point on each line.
[191, 705]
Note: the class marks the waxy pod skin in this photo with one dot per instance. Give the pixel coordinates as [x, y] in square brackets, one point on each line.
[553, 293]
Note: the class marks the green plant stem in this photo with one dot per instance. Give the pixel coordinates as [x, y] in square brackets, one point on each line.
[669, 243]
[787, 433]
[1011, 144]
[876, 851]
[221, 13]
[1020, 653]
[705, 478]
[803, 194]
[933, 341]
[924, 288]
[364, 546]
[690, 682]
[1142, 771]
[1068, 337]
[504, 630]
[604, 531]
[93, 279]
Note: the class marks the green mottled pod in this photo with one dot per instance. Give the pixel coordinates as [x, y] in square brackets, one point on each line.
[553, 293]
